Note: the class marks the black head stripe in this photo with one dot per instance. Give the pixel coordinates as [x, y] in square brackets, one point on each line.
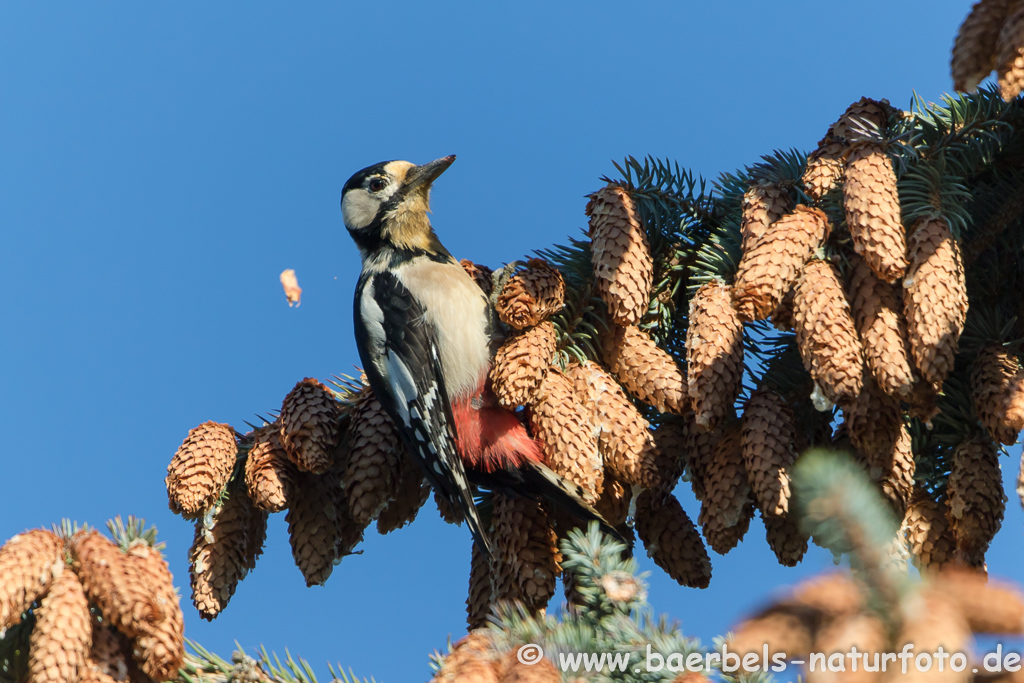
[360, 177]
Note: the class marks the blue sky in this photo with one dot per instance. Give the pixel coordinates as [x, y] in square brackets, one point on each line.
[160, 164]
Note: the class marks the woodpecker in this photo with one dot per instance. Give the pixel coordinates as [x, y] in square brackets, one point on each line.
[425, 331]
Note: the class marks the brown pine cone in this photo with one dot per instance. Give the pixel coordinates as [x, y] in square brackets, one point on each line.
[521, 363]
[825, 333]
[481, 275]
[1010, 54]
[160, 650]
[974, 51]
[525, 558]
[934, 299]
[728, 506]
[873, 212]
[624, 438]
[29, 563]
[671, 437]
[220, 554]
[863, 121]
[873, 422]
[989, 606]
[472, 660]
[861, 633]
[107, 661]
[532, 295]
[714, 354]
[976, 500]
[374, 458]
[410, 495]
[116, 585]
[785, 539]
[449, 514]
[512, 670]
[930, 621]
[878, 313]
[201, 467]
[614, 502]
[269, 473]
[763, 204]
[897, 480]
[62, 635]
[771, 266]
[768, 447]
[478, 602]
[672, 540]
[623, 268]
[995, 385]
[700, 448]
[928, 532]
[562, 426]
[316, 524]
[310, 425]
[647, 371]
[825, 167]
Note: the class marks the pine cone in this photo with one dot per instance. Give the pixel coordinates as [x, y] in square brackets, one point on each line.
[898, 479]
[976, 500]
[624, 438]
[201, 467]
[934, 299]
[107, 661]
[988, 606]
[410, 495]
[647, 371]
[310, 427]
[269, 474]
[623, 268]
[672, 540]
[160, 650]
[614, 502]
[825, 333]
[768, 438]
[512, 670]
[763, 204]
[481, 275]
[29, 563]
[714, 354]
[62, 635]
[449, 514]
[874, 422]
[931, 621]
[974, 51]
[863, 121]
[315, 524]
[1010, 54]
[531, 296]
[995, 385]
[727, 506]
[671, 438]
[865, 632]
[825, 167]
[927, 531]
[562, 427]
[374, 458]
[472, 660]
[525, 560]
[771, 266]
[877, 310]
[116, 585]
[700, 447]
[521, 363]
[785, 539]
[873, 211]
[478, 602]
[220, 554]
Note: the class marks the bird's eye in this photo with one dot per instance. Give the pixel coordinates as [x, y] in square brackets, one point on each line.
[377, 184]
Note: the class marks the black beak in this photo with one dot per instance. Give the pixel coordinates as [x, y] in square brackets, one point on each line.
[427, 173]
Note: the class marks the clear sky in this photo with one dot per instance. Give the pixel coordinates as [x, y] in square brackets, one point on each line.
[161, 163]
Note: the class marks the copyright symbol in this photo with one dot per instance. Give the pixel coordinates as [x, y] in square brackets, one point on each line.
[530, 653]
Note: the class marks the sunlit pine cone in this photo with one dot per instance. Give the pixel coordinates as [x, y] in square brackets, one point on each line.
[269, 473]
[525, 559]
[825, 333]
[878, 314]
[863, 121]
[410, 495]
[62, 634]
[872, 207]
[521, 363]
[647, 371]
[115, 584]
[160, 649]
[928, 533]
[478, 602]
[825, 167]
[29, 563]
[976, 501]
[714, 354]
[931, 620]
[473, 659]
[768, 447]
[873, 422]
[614, 502]
[201, 467]
[700, 449]
[531, 295]
[562, 426]
[897, 480]
[621, 256]
[728, 506]
[672, 540]
[624, 438]
[770, 267]
[762, 205]
[974, 51]
[785, 539]
[310, 427]
[1010, 54]
[995, 384]
[990, 606]
[934, 299]
[373, 460]
[481, 275]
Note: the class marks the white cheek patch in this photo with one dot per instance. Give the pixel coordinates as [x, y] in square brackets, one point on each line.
[359, 208]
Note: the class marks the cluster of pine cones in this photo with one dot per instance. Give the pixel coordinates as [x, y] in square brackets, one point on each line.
[98, 612]
[991, 37]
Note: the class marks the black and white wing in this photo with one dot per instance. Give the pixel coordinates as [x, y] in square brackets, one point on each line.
[400, 358]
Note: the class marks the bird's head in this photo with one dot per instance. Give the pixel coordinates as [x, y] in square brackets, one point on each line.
[387, 204]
